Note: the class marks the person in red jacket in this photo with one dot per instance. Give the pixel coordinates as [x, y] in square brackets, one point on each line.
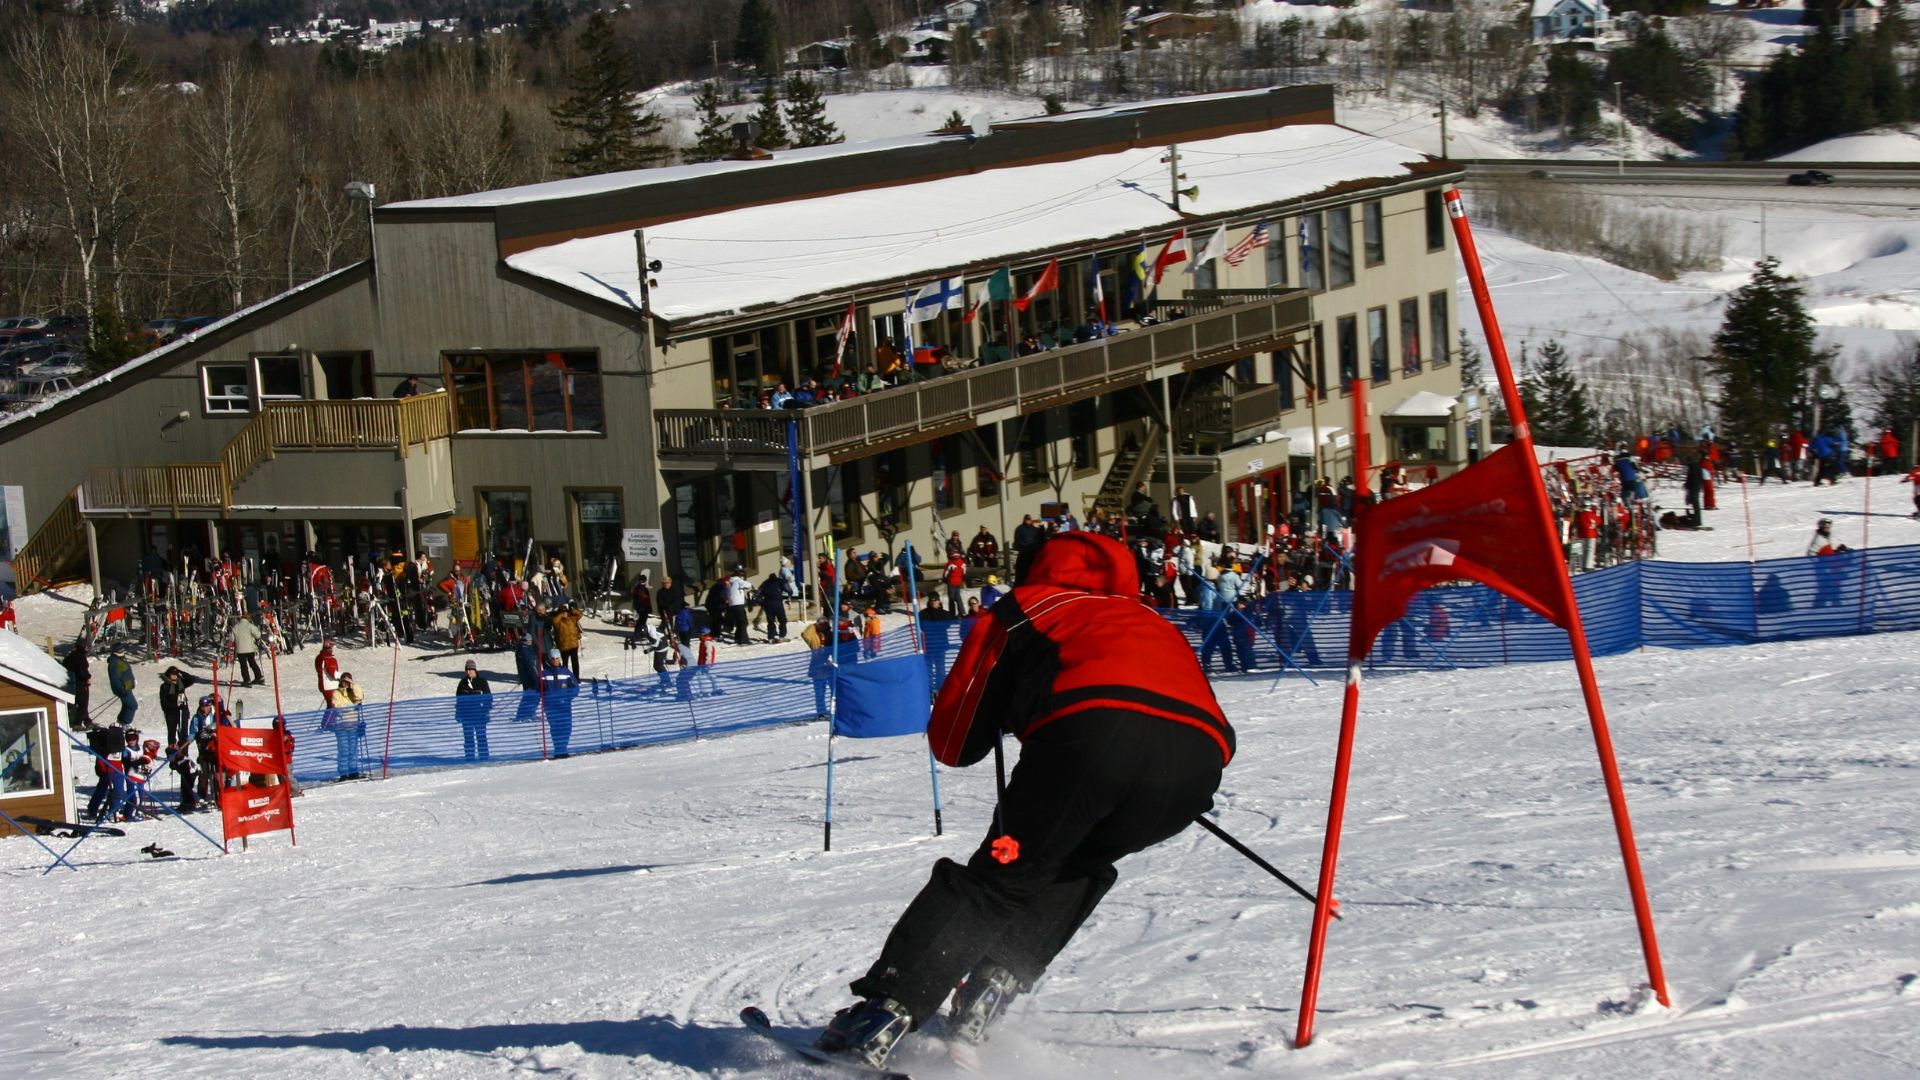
[1122, 745]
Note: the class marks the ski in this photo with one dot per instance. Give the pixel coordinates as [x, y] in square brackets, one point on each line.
[68, 829]
[757, 1022]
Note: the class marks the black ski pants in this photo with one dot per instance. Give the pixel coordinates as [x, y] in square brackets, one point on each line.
[1089, 789]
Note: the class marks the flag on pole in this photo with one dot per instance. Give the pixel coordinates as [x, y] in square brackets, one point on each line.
[1136, 275]
[1099, 298]
[947, 294]
[1256, 239]
[840, 339]
[1215, 247]
[997, 287]
[1176, 251]
[1048, 281]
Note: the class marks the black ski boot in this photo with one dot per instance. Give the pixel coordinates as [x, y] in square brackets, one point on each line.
[981, 999]
[866, 1031]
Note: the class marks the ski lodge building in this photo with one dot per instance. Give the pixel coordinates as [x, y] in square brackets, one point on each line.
[568, 397]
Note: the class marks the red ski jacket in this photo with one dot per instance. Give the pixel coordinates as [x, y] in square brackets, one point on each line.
[1073, 638]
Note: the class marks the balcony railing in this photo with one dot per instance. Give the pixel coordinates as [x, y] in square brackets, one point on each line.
[1232, 330]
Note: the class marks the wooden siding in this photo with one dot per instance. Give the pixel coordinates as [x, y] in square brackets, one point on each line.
[54, 804]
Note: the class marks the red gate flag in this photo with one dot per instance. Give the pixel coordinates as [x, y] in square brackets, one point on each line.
[1480, 525]
[252, 750]
[250, 811]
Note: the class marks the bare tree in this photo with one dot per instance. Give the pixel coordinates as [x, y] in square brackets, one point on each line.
[1714, 37]
[84, 121]
[227, 145]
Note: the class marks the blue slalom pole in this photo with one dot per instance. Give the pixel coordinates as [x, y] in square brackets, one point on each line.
[833, 658]
[920, 639]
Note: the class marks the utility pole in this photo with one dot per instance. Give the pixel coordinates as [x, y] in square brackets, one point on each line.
[1442, 114]
[713, 46]
[1620, 145]
[1173, 174]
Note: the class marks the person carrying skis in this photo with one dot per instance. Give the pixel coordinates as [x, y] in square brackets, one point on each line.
[1122, 746]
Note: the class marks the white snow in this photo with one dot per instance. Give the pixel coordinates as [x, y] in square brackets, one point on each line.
[606, 916]
[21, 662]
[1901, 144]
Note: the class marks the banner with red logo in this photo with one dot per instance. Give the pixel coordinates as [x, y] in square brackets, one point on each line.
[250, 811]
[252, 750]
[1480, 525]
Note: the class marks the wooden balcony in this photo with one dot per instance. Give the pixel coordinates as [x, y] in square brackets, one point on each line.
[1223, 331]
[394, 425]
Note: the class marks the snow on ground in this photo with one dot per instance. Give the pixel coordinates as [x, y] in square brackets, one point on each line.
[1900, 144]
[607, 915]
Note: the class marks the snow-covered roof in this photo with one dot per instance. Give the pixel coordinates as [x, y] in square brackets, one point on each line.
[22, 663]
[1544, 8]
[744, 259]
[1302, 439]
[1426, 403]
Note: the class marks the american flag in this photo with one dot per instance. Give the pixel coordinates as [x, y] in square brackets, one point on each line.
[1255, 239]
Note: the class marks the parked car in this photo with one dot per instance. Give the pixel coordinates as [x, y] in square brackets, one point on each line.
[22, 328]
[71, 327]
[1810, 178]
[157, 330]
[183, 327]
[59, 361]
[32, 389]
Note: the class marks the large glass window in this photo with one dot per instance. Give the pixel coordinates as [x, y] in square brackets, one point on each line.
[226, 388]
[509, 522]
[1340, 247]
[892, 489]
[1373, 233]
[1283, 377]
[1410, 336]
[1436, 221]
[26, 768]
[1440, 335]
[1346, 330]
[945, 456]
[1207, 275]
[1319, 360]
[1311, 276]
[526, 391]
[1033, 448]
[597, 523]
[986, 482]
[1381, 369]
[1083, 421]
[1276, 251]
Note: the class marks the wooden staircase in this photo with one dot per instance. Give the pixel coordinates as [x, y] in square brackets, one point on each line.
[1129, 467]
[50, 554]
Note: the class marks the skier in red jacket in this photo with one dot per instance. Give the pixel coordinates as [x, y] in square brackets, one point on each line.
[1122, 744]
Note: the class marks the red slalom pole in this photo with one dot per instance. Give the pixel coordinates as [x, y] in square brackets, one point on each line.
[1582, 657]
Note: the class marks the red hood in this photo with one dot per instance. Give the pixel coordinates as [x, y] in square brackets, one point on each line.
[1085, 562]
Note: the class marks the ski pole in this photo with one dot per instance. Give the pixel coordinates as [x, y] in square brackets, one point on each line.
[1260, 862]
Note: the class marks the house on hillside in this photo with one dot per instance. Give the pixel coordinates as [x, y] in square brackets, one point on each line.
[1570, 20]
[821, 55]
[577, 405]
[1170, 24]
[1853, 17]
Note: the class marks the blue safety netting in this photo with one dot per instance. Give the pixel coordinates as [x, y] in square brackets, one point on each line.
[1672, 605]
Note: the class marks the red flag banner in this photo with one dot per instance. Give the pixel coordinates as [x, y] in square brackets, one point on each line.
[250, 811]
[1048, 281]
[1480, 525]
[251, 750]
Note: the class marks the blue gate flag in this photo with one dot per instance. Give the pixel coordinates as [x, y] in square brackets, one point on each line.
[880, 698]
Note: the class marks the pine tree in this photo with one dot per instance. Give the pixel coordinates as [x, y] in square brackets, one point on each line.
[773, 131]
[1571, 94]
[807, 114]
[1897, 382]
[1763, 354]
[1472, 371]
[608, 132]
[714, 140]
[756, 41]
[1558, 409]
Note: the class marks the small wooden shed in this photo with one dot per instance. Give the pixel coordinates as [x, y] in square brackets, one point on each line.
[35, 777]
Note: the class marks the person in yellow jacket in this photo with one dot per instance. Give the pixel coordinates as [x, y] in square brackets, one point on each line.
[566, 636]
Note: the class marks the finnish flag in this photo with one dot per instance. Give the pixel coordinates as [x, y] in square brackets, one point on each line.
[947, 294]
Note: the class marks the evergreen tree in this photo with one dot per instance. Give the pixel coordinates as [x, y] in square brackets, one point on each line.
[108, 343]
[1571, 95]
[1763, 355]
[1662, 87]
[1473, 372]
[608, 132]
[756, 41]
[954, 122]
[1558, 409]
[773, 131]
[714, 140]
[807, 114]
[1897, 382]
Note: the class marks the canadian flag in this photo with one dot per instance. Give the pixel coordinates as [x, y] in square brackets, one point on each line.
[1048, 281]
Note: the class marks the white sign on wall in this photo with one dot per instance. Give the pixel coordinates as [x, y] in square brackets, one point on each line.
[643, 545]
[435, 544]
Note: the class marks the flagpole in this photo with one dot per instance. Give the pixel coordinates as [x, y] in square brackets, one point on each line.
[1582, 657]
[1324, 903]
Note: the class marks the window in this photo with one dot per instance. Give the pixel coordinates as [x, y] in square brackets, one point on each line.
[1347, 339]
[596, 523]
[226, 389]
[1436, 221]
[509, 522]
[1310, 243]
[1083, 421]
[1440, 335]
[945, 455]
[1276, 251]
[986, 482]
[1283, 377]
[25, 765]
[1373, 230]
[1207, 276]
[892, 488]
[1033, 443]
[281, 378]
[1410, 336]
[1340, 247]
[1381, 369]
[1319, 361]
[526, 391]
[751, 363]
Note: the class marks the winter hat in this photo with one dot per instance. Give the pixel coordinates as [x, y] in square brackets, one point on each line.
[471, 666]
[553, 654]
